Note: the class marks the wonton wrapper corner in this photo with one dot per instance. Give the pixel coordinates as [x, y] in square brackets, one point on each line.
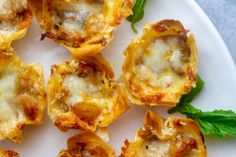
[87, 144]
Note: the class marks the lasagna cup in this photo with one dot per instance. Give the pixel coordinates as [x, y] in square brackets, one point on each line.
[166, 138]
[84, 27]
[8, 153]
[15, 18]
[161, 65]
[22, 96]
[87, 144]
[83, 95]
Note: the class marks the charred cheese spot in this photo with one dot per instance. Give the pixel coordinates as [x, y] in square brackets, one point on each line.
[15, 17]
[17, 105]
[82, 95]
[84, 27]
[8, 153]
[157, 65]
[166, 138]
[87, 144]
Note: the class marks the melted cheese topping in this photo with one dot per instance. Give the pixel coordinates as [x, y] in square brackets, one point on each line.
[7, 87]
[73, 15]
[10, 113]
[82, 89]
[159, 63]
[9, 8]
[8, 15]
[79, 89]
[7, 28]
[155, 60]
[175, 59]
[156, 148]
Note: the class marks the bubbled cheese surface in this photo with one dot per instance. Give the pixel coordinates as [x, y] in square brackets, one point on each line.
[82, 89]
[158, 62]
[10, 17]
[156, 148]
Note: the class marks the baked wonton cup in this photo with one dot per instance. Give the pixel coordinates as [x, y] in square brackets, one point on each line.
[174, 137]
[15, 18]
[8, 153]
[84, 27]
[87, 144]
[161, 65]
[22, 96]
[82, 95]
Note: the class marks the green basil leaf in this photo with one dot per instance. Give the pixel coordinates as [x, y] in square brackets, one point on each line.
[193, 93]
[187, 109]
[187, 98]
[220, 123]
[138, 13]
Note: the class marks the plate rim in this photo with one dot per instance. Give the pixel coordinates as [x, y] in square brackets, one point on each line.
[197, 9]
[214, 30]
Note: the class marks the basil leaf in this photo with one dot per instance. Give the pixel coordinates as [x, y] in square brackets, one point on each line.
[187, 98]
[193, 93]
[138, 13]
[220, 123]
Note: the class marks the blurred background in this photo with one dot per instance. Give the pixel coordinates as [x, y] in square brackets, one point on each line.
[223, 14]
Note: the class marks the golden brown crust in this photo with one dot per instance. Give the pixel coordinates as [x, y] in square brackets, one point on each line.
[178, 66]
[23, 98]
[8, 153]
[15, 26]
[87, 144]
[82, 95]
[174, 137]
[93, 29]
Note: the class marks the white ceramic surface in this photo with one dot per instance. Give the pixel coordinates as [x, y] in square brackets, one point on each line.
[215, 66]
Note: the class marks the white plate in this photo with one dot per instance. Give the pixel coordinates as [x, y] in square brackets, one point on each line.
[215, 66]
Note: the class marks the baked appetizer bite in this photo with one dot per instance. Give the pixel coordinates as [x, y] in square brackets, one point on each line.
[15, 18]
[161, 65]
[85, 27]
[83, 95]
[22, 96]
[8, 153]
[174, 137]
[87, 144]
